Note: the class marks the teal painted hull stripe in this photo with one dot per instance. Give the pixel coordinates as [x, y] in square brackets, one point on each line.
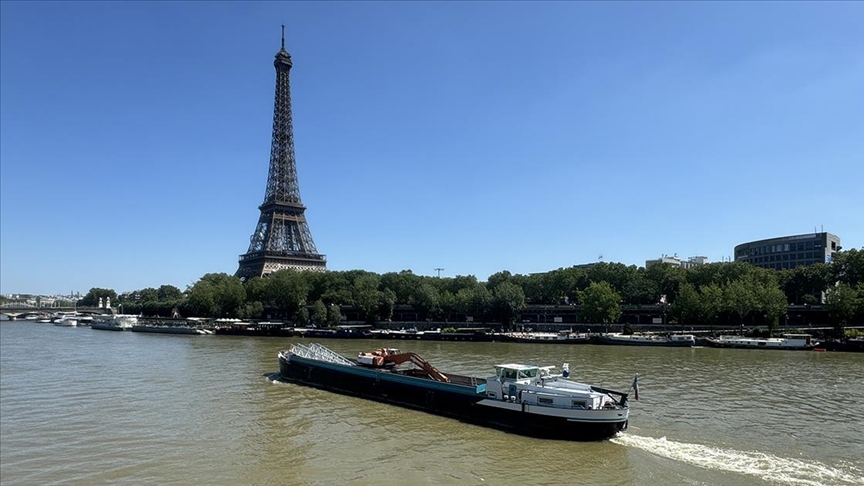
[406, 380]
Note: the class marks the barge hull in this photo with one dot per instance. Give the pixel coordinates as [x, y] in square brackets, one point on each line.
[445, 399]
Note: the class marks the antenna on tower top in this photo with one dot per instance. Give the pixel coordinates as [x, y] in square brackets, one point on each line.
[283, 36]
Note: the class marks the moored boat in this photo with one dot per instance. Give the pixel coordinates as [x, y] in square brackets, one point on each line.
[171, 330]
[114, 322]
[524, 399]
[792, 342]
[561, 337]
[673, 340]
[66, 321]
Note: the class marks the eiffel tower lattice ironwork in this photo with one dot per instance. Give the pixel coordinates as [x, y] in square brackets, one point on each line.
[282, 239]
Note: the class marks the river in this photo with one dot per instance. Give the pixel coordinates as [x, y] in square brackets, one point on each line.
[79, 406]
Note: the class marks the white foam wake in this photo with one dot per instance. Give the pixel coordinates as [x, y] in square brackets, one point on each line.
[766, 466]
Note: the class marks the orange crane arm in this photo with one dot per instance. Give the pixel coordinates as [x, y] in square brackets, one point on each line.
[417, 360]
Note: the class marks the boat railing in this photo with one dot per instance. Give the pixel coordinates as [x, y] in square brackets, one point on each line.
[320, 353]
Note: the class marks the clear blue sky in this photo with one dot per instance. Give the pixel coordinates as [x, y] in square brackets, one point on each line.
[476, 137]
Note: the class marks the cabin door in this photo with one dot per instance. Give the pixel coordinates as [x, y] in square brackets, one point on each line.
[512, 391]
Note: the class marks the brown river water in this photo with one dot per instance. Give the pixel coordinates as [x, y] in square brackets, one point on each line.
[80, 406]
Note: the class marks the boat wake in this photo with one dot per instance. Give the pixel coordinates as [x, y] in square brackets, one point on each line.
[275, 378]
[765, 466]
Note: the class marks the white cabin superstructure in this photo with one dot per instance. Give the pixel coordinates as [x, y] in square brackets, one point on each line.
[525, 385]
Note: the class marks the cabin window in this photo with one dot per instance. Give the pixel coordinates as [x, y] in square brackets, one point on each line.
[528, 373]
[510, 374]
[544, 401]
[578, 403]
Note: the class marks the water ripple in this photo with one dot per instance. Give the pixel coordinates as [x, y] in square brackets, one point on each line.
[115, 408]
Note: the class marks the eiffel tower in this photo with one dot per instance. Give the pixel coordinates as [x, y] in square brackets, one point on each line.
[282, 239]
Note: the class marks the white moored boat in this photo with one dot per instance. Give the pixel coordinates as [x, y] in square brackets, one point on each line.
[66, 321]
[787, 342]
[673, 340]
[114, 322]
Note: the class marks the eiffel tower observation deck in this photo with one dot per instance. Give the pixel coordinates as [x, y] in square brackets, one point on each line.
[282, 239]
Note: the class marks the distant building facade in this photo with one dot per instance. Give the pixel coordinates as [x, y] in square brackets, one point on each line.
[677, 262]
[789, 251]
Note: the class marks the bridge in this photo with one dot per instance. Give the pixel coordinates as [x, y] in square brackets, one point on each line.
[16, 310]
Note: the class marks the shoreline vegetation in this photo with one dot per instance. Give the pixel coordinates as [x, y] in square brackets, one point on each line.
[729, 294]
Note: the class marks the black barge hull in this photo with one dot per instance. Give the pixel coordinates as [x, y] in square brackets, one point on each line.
[445, 399]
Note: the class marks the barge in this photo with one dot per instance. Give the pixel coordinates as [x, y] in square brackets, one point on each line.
[672, 340]
[792, 342]
[523, 399]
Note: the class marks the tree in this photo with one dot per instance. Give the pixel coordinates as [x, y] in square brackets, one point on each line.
[600, 303]
[168, 292]
[739, 299]
[257, 289]
[474, 301]
[426, 300]
[772, 302]
[710, 303]
[366, 296]
[497, 279]
[687, 307]
[386, 304]
[334, 315]
[402, 284]
[508, 300]
[251, 310]
[287, 290]
[148, 294]
[93, 296]
[848, 267]
[302, 316]
[216, 295]
[319, 313]
[843, 302]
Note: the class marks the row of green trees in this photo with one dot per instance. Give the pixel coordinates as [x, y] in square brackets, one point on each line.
[703, 294]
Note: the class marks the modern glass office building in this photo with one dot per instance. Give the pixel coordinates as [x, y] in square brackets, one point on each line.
[789, 251]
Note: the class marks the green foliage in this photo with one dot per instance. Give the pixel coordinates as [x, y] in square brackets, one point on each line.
[804, 285]
[474, 301]
[302, 316]
[844, 302]
[600, 303]
[848, 267]
[739, 298]
[367, 298]
[771, 302]
[168, 292]
[497, 279]
[334, 315]
[704, 294]
[507, 301]
[251, 310]
[319, 313]
[216, 295]
[91, 299]
[426, 300]
[287, 290]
